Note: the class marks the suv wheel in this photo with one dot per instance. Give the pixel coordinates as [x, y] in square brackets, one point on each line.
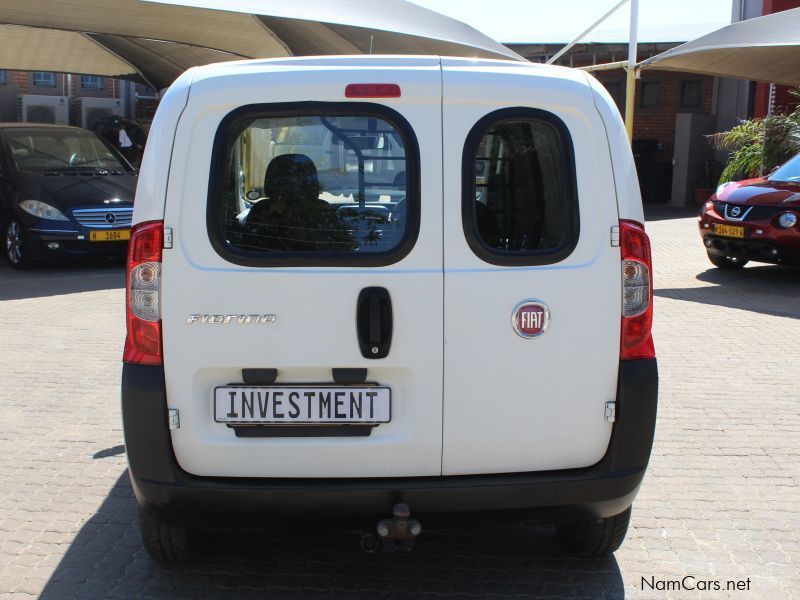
[727, 262]
[164, 543]
[592, 539]
[16, 246]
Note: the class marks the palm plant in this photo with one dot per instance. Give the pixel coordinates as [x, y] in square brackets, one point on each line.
[758, 145]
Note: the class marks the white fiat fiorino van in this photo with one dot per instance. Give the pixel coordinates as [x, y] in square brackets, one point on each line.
[388, 287]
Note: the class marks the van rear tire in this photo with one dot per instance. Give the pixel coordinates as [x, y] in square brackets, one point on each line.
[164, 543]
[593, 539]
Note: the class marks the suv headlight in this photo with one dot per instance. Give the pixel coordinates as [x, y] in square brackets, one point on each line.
[787, 220]
[40, 209]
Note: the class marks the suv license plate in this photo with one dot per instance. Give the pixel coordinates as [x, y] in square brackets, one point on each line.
[729, 230]
[110, 235]
[287, 405]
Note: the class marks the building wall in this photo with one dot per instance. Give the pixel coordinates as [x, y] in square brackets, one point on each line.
[23, 82]
[784, 102]
[658, 102]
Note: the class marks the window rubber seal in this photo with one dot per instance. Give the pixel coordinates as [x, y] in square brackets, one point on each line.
[215, 206]
[525, 258]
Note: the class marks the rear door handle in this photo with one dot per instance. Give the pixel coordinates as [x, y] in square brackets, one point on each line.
[374, 322]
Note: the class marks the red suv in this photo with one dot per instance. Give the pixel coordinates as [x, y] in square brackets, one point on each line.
[755, 219]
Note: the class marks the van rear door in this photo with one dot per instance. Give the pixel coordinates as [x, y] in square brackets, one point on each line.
[307, 227]
[532, 281]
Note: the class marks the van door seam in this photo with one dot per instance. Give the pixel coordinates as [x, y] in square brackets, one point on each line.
[444, 229]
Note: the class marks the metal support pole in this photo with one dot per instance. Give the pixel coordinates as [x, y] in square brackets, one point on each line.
[630, 88]
[594, 26]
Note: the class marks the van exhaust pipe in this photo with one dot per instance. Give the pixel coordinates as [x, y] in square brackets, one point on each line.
[396, 534]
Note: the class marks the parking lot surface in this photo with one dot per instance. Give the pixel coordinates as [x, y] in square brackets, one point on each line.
[720, 503]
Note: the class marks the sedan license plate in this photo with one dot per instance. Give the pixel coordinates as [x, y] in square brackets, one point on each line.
[110, 235]
[286, 405]
[729, 230]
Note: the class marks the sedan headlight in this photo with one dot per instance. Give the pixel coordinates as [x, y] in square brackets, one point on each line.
[40, 209]
[787, 220]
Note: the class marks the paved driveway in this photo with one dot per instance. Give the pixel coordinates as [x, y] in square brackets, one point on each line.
[720, 502]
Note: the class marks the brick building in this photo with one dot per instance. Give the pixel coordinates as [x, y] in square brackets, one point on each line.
[660, 97]
[780, 99]
[71, 99]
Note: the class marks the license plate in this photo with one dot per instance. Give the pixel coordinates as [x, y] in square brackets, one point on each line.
[729, 230]
[110, 235]
[286, 405]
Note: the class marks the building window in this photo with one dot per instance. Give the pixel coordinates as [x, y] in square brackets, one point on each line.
[91, 82]
[650, 94]
[3, 79]
[692, 93]
[615, 90]
[44, 79]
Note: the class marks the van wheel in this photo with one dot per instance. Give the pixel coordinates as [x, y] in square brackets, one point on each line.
[164, 543]
[592, 539]
[16, 247]
[727, 262]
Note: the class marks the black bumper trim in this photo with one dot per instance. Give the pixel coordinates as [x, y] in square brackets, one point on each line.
[604, 489]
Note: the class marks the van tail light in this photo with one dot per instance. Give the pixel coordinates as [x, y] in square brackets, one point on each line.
[637, 292]
[143, 342]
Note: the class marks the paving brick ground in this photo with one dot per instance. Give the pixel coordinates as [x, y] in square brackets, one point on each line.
[721, 500]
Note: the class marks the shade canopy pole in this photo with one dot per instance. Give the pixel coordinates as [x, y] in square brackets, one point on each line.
[583, 34]
[630, 86]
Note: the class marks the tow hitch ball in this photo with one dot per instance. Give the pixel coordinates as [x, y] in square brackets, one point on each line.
[395, 534]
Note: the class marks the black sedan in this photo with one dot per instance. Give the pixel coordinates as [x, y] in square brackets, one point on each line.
[64, 194]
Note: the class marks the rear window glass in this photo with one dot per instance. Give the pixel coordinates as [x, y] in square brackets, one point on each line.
[314, 186]
[520, 200]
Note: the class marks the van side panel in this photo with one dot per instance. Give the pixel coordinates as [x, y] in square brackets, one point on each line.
[514, 404]
[151, 189]
[629, 198]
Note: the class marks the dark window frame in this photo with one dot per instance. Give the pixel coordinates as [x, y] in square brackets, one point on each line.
[642, 84]
[701, 101]
[618, 97]
[43, 85]
[100, 85]
[215, 207]
[526, 258]
[3, 77]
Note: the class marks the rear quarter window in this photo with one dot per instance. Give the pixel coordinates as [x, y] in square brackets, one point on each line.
[520, 204]
[314, 184]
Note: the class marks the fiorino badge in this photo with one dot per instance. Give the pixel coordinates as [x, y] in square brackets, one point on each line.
[530, 318]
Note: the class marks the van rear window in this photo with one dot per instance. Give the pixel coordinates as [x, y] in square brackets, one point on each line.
[314, 188]
[520, 205]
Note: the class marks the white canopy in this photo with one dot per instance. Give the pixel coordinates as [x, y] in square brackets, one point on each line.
[761, 49]
[155, 41]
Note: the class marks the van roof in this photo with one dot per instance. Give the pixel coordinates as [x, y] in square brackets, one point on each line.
[383, 60]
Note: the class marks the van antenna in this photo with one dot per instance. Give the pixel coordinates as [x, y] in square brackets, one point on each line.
[371, 39]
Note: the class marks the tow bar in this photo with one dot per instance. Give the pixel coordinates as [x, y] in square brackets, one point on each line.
[396, 534]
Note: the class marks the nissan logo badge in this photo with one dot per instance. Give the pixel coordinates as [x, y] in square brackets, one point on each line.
[530, 318]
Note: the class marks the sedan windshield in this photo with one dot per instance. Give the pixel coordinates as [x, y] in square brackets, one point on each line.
[788, 171]
[38, 150]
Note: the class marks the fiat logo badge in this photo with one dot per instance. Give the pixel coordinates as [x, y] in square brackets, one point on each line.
[530, 318]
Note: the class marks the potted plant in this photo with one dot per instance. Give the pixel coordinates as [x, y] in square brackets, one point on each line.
[759, 145]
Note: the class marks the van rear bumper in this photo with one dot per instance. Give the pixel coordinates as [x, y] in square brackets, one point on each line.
[602, 490]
